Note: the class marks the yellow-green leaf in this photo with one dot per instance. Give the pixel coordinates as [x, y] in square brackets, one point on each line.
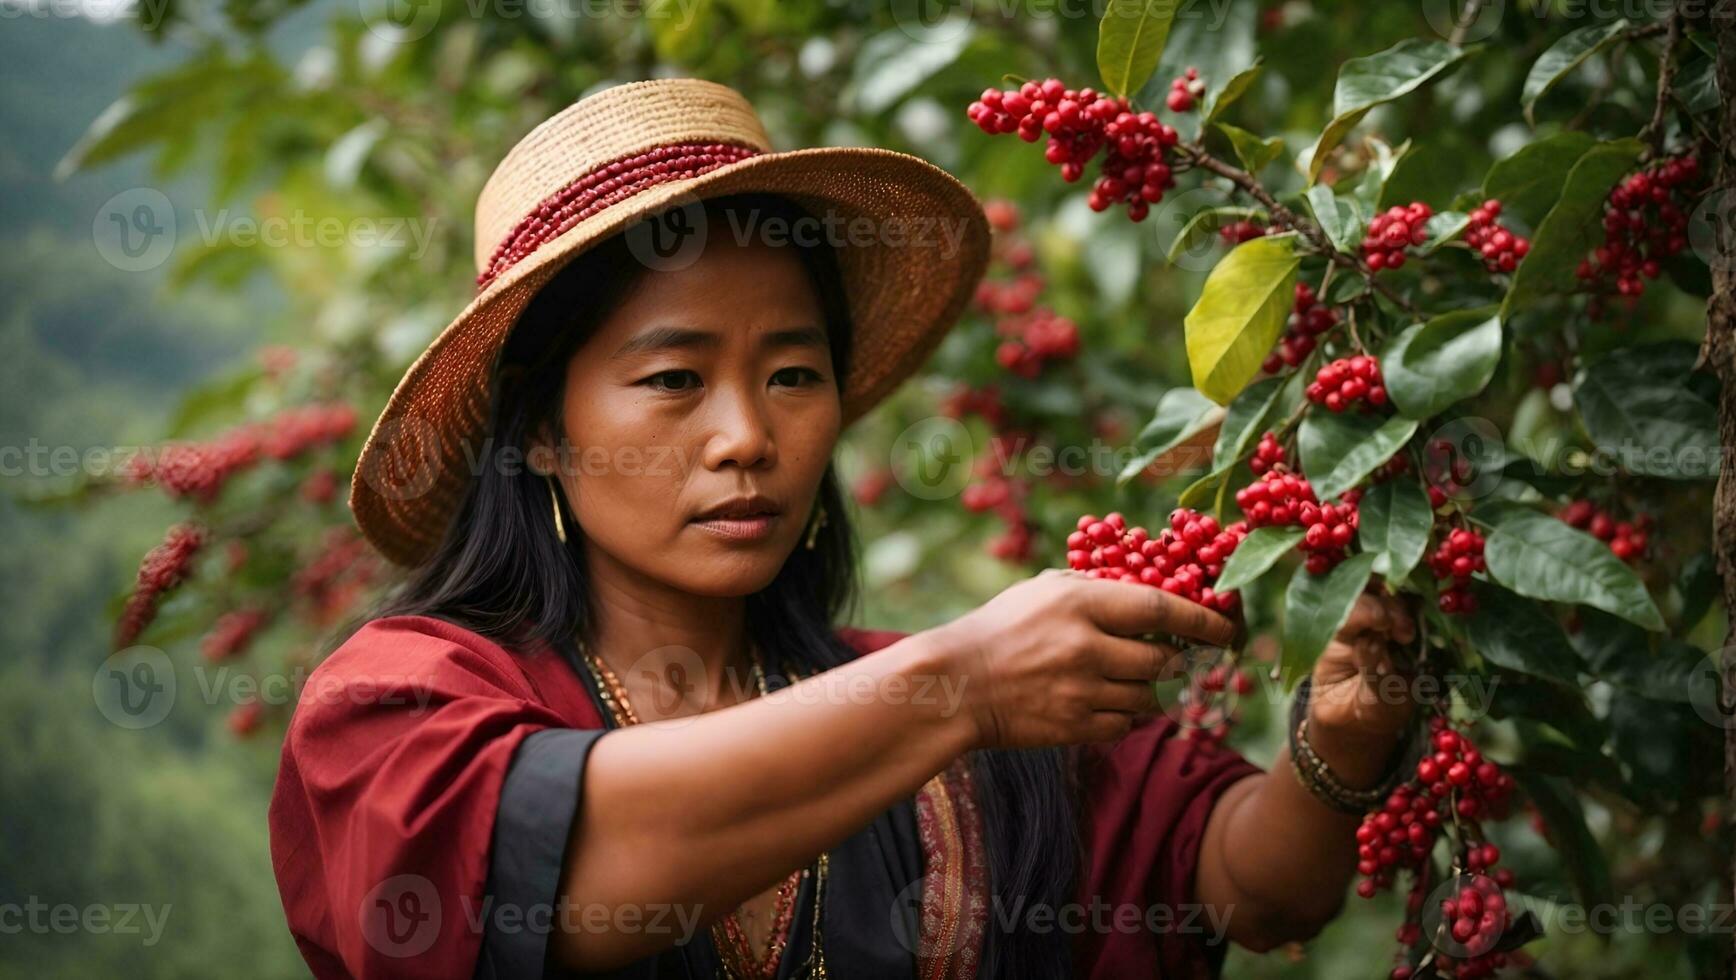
[1130, 41]
[1240, 314]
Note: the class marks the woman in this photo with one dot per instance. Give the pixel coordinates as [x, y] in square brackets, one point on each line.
[609, 725]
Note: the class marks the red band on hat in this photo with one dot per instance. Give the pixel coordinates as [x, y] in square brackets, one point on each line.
[602, 187]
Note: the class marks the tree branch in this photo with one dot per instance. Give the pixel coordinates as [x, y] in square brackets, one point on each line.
[1195, 155]
[1653, 134]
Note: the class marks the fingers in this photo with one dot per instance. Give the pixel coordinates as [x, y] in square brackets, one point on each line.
[1128, 697]
[1368, 615]
[1126, 659]
[1126, 609]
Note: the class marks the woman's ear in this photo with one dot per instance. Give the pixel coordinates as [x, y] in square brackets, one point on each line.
[542, 452]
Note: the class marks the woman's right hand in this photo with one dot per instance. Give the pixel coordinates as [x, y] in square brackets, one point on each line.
[1053, 660]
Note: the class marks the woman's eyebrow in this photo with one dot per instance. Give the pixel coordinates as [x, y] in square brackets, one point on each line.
[796, 337]
[665, 338]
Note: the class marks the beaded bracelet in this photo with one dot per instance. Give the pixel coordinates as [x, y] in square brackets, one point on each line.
[1319, 779]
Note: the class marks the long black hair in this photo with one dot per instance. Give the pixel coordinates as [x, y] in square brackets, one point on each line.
[501, 571]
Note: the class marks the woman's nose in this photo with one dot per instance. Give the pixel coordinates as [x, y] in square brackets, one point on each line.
[740, 431]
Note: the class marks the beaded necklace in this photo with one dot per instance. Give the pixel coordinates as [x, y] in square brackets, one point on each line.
[735, 950]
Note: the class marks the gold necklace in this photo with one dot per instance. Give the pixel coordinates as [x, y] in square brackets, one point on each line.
[727, 935]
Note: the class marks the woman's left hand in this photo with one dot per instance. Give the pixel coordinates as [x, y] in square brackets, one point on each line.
[1357, 691]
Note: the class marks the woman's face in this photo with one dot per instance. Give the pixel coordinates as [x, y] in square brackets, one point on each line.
[705, 387]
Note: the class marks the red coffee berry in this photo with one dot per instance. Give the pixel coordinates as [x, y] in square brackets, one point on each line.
[1499, 248]
[1454, 561]
[1136, 169]
[164, 568]
[1309, 319]
[1393, 231]
[1347, 382]
[1645, 221]
[1183, 559]
[1627, 540]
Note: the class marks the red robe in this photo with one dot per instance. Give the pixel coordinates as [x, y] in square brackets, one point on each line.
[393, 771]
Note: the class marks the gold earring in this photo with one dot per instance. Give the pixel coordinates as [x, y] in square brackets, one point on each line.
[555, 502]
[815, 523]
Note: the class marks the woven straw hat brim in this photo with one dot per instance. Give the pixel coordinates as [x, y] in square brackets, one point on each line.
[903, 297]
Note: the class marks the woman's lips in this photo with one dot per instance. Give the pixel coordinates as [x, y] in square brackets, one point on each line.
[739, 528]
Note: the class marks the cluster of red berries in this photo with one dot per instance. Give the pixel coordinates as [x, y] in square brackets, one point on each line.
[1205, 718]
[199, 470]
[1309, 318]
[1348, 381]
[1393, 231]
[1454, 782]
[342, 569]
[871, 486]
[985, 401]
[1184, 559]
[1034, 339]
[1459, 555]
[1447, 470]
[1627, 539]
[1280, 498]
[164, 567]
[1645, 220]
[244, 718]
[1500, 249]
[1186, 91]
[232, 633]
[1011, 296]
[1237, 232]
[1136, 168]
[320, 487]
[1267, 454]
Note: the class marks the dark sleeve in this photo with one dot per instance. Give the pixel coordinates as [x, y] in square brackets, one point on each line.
[1147, 799]
[538, 803]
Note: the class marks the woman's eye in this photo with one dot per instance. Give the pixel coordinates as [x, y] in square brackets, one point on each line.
[796, 376]
[672, 380]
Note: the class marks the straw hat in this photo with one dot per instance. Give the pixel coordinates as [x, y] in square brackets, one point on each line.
[912, 244]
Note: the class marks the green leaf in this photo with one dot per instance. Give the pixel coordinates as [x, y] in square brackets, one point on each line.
[1394, 519]
[1518, 634]
[1203, 225]
[1339, 217]
[1254, 153]
[1643, 415]
[1562, 58]
[1558, 805]
[1130, 41]
[1340, 448]
[1572, 225]
[1314, 607]
[1258, 552]
[1441, 228]
[1181, 414]
[1366, 82]
[1431, 365]
[1240, 313]
[1244, 420]
[1541, 557]
[1697, 82]
[1678, 671]
[1528, 183]
[1233, 89]
[895, 63]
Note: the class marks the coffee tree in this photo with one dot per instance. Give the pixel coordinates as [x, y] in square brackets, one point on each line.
[1353, 299]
